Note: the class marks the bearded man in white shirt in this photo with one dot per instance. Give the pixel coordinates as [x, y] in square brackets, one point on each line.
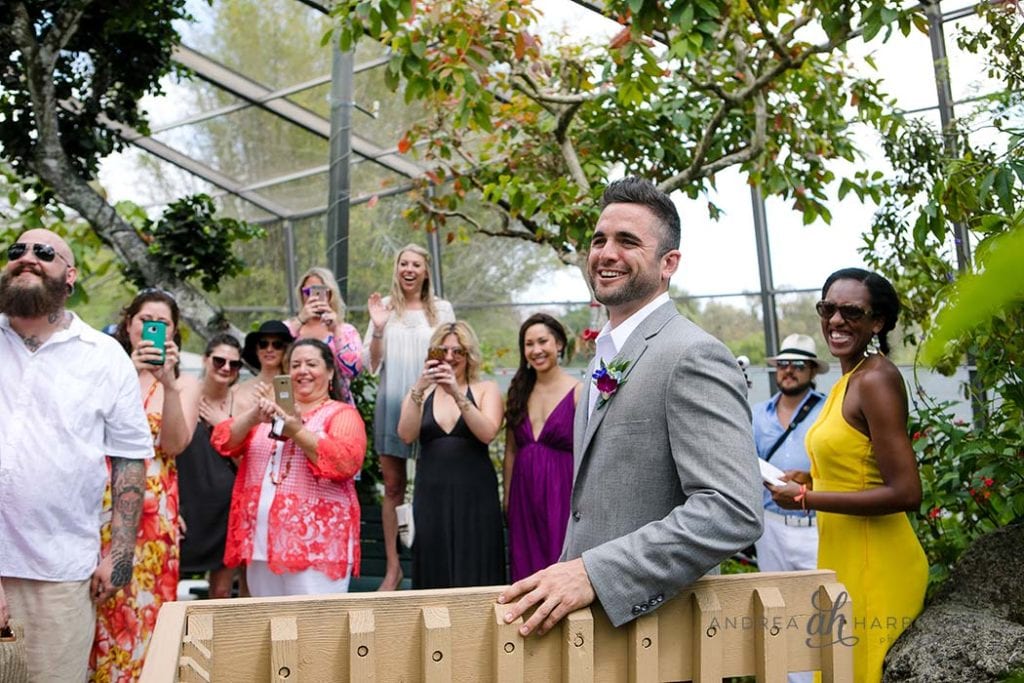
[69, 398]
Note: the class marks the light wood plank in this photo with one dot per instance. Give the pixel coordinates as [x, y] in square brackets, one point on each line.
[708, 628]
[578, 647]
[835, 629]
[769, 635]
[437, 645]
[284, 650]
[509, 648]
[643, 649]
[362, 652]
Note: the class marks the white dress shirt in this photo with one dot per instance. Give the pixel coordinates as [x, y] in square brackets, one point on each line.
[63, 409]
[611, 339]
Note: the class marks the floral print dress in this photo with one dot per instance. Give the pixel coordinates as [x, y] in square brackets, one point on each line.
[125, 622]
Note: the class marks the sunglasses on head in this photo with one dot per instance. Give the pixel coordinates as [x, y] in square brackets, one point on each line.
[795, 364]
[263, 344]
[43, 252]
[848, 312]
[219, 361]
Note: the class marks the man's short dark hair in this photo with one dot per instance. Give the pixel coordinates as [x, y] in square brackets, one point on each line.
[633, 190]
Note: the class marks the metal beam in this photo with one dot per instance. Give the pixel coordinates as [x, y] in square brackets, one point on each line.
[251, 91]
[202, 171]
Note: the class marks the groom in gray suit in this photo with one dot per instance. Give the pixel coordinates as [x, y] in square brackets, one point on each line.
[665, 476]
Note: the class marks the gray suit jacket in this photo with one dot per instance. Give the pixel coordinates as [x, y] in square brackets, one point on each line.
[665, 476]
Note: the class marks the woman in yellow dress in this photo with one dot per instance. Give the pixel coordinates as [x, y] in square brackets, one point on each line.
[864, 477]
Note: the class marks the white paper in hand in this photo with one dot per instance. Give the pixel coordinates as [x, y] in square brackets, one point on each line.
[770, 473]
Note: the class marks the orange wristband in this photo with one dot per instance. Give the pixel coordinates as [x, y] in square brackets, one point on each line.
[802, 497]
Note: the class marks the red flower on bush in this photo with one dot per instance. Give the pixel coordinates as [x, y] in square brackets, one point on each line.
[589, 334]
[934, 513]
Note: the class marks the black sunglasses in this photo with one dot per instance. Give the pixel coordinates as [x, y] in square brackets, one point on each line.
[218, 363]
[795, 364]
[267, 343]
[43, 252]
[848, 312]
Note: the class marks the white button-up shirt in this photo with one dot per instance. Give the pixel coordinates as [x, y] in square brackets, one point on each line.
[63, 409]
[611, 339]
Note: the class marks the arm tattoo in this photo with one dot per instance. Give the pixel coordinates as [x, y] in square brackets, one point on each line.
[128, 487]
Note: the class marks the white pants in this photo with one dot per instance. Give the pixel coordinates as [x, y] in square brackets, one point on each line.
[783, 548]
[60, 624]
[264, 583]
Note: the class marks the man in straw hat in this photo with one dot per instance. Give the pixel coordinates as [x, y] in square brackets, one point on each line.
[790, 538]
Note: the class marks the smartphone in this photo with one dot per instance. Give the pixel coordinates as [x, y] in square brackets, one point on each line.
[156, 332]
[283, 393]
[435, 353]
[318, 292]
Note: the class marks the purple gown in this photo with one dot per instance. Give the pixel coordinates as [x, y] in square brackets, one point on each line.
[538, 505]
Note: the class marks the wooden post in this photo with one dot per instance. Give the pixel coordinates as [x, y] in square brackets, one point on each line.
[835, 612]
[362, 655]
[708, 637]
[643, 649]
[508, 649]
[196, 661]
[770, 636]
[284, 650]
[578, 647]
[437, 645]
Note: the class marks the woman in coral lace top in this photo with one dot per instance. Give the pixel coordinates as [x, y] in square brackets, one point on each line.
[294, 517]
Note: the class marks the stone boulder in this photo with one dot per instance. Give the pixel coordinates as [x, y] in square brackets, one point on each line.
[973, 628]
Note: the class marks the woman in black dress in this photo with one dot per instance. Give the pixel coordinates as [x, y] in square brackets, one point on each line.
[457, 514]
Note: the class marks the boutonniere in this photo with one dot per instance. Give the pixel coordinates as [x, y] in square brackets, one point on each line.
[608, 379]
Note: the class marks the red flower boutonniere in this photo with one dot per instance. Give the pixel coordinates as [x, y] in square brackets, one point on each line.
[608, 379]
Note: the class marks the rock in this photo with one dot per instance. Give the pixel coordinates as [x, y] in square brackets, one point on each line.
[973, 628]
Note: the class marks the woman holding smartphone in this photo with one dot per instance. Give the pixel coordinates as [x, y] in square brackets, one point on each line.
[454, 416]
[125, 622]
[396, 344]
[294, 518]
[323, 317]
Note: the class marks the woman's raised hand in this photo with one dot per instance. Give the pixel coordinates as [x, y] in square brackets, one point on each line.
[378, 311]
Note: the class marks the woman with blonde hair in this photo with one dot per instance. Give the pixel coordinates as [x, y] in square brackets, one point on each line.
[395, 346]
[456, 513]
[322, 317]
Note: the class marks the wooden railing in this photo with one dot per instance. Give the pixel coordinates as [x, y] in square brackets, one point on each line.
[749, 624]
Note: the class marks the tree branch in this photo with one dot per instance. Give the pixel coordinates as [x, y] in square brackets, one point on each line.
[572, 161]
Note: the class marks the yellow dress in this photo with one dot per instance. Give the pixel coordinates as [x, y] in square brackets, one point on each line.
[878, 558]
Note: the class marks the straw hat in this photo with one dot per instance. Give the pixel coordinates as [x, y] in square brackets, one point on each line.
[799, 347]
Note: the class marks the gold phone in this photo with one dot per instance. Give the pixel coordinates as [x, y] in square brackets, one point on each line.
[283, 393]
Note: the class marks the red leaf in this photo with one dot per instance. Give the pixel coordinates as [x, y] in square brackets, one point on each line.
[520, 49]
[620, 39]
[372, 201]
[404, 144]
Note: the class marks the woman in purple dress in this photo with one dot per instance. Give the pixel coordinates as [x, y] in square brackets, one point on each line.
[538, 447]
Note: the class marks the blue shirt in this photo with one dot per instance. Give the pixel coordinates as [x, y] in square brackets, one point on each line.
[791, 455]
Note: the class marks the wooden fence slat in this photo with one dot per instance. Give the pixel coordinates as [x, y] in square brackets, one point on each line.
[437, 645]
[643, 649]
[578, 647]
[835, 611]
[707, 636]
[770, 636]
[509, 649]
[362, 653]
[284, 650]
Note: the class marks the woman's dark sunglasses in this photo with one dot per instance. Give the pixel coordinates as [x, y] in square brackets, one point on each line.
[218, 363]
[43, 252]
[267, 343]
[848, 312]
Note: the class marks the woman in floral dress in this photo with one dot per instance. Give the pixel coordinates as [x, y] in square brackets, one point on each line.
[125, 622]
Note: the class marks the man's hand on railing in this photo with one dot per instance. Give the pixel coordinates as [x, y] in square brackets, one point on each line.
[556, 591]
